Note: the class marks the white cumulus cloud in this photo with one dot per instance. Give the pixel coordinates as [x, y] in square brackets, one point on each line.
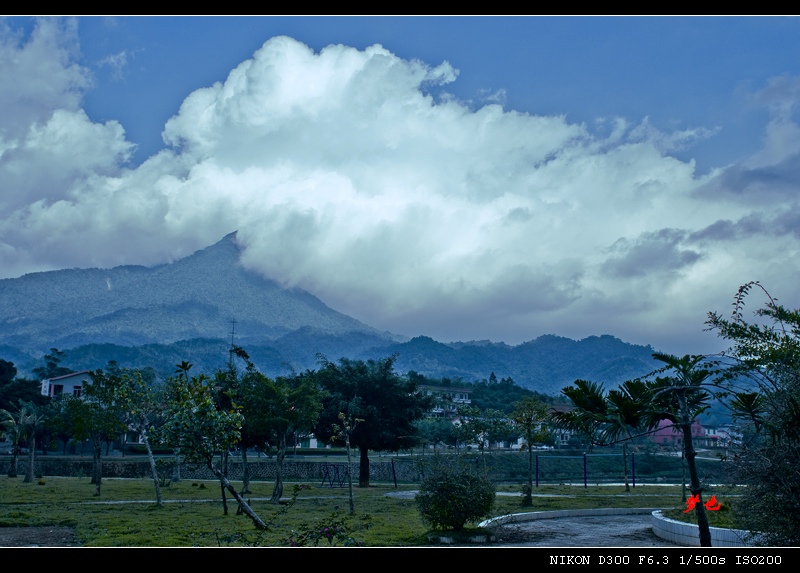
[345, 176]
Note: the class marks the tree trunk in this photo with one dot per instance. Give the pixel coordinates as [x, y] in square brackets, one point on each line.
[176, 467]
[245, 472]
[12, 469]
[625, 465]
[528, 499]
[363, 470]
[98, 466]
[350, 475]
[153, 470]
[277, 491]
[683, 470]
[223, 461]
[31, 459]
[257, 521]
[702, 518]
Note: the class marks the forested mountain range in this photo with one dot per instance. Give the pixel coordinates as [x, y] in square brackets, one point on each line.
[160, 316]
[546, 364]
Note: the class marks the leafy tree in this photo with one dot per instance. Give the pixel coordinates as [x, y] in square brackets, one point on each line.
[482, 427]
[142, 409]
[225, 392]
[98, 417]
[499, 395]
[200, 429]
[229, 386]
[344, 431]
[435, 431]
[529, 416]
[7, 372]
[60, 419]
[371, 391]
[276, 410]
[762, 374]
[52, 368]
[14, 389]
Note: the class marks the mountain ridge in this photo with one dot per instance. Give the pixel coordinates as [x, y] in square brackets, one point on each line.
[195, 297]
[159, 316]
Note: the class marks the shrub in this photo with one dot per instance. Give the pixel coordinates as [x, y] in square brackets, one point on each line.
[451, 496]
[526, 495]
[336, 530]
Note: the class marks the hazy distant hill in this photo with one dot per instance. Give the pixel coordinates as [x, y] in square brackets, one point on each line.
[545, 364]
[195, 297]
[163, 315]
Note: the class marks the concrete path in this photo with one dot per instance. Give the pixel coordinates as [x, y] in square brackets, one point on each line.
[589, 531]
[632, 530]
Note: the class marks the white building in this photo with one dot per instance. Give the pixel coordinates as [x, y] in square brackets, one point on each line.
[69, 384]
[447, 399]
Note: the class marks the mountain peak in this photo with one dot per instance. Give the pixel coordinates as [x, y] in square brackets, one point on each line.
[195, 297]
[227, 248]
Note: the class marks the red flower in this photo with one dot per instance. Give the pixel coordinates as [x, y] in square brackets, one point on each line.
[691, 502]
[712, 504]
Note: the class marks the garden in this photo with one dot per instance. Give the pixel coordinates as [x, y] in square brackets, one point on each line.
[192, 514]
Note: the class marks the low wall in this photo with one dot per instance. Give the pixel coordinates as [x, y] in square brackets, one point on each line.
[677, 532]
[534, 515]
[688, 534]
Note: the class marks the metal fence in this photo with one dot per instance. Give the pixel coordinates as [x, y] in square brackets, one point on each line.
[501, 467]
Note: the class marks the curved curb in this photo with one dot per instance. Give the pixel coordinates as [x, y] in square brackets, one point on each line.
[677, 532]
[688, 534]
[534, 515]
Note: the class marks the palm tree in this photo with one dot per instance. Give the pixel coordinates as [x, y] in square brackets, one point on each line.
[590, 411]
[638, 406]
[627, 417]
[680, 398]
[608, 418]
[15, 432]
[32, 419]
[528, 416]
[28, 421]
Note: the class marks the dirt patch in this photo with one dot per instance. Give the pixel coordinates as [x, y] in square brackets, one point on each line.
[51, 536]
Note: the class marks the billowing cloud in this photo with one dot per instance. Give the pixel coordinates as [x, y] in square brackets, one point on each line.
[415, 213]
[652, 253]
[769, 183]
[39, 75]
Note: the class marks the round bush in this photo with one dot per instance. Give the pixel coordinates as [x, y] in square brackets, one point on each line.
[448, 498]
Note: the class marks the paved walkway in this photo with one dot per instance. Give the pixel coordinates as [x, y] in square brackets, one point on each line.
[584, 531]
[589, 531]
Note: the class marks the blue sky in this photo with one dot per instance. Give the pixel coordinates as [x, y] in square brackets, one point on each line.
[680, 72]
[462, 178]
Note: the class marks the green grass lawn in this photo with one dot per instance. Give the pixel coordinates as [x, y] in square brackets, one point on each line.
[125, 514]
